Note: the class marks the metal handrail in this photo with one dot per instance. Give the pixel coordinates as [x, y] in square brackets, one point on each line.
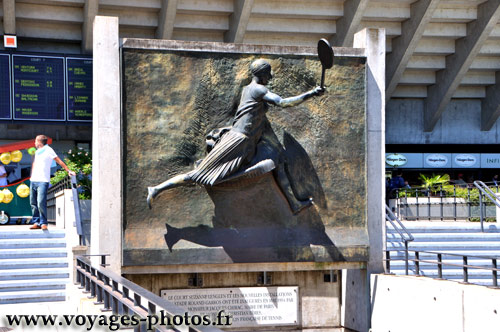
[114, 292]
[439, 263]
[390, 217]
[486, 191]
[61, 185]
[78, 211]
[70, 182]
[51, 197]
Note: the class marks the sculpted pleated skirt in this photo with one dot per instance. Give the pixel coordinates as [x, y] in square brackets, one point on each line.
[224, 159]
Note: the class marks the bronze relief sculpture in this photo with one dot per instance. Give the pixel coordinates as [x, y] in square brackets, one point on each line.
[216, 119]
[246, 149]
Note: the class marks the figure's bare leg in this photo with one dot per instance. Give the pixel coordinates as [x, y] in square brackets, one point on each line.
[284, 184]
[176, 181]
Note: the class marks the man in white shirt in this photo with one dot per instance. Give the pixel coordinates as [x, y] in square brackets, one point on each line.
[40, 178]
[3, 176]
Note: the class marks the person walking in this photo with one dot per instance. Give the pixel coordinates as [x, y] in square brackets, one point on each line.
[495, 180]
[40, 178]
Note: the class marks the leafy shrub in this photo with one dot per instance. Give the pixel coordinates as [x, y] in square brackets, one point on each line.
[80, 162]
[436, 183]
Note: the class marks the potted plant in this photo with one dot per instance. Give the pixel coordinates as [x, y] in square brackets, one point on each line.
[435, 184]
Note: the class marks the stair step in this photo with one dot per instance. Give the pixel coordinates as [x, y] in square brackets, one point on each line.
[448, 254]
[447, 227]
[480, 263]
[32, 296]
[31, 285]
[32, 253]
[482, 282]
[447, 271]
[458, 238]
[32, 234]
[485, 282]
[443, 237]
[32, 243]
[28, 274]
[33, 263]
[450, 245]
[451, 274]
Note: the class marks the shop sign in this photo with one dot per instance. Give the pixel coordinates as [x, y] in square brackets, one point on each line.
[436, 160]
[490, 160]
[465, 160]
[396, 160]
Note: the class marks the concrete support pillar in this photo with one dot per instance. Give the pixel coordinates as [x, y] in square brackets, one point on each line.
[458, 64]
[348, 24]
[490, 106]
[238, 21]
[90, 9]
[356, 282]
[373, 41]
[9, 17]
[106, 144]
[356, 300]
[166, 19]
[404, 46]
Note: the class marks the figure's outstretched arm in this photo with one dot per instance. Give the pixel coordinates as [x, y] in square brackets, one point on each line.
[292, 101]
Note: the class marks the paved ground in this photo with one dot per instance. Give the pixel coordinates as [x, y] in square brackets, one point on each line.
[76, 303]
[22, 227]
[79, 304]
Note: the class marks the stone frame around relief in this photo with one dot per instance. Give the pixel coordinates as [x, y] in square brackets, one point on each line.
[340, 233]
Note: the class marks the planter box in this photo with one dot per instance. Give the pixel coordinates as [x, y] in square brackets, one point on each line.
[440, 207]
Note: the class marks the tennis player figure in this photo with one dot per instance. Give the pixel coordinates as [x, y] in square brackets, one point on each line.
[241, 151]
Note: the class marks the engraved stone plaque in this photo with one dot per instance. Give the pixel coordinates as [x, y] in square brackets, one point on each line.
[248, 306]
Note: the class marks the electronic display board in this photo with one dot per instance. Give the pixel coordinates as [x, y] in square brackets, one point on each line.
[38, 84]
[5, 96]
[79, 78]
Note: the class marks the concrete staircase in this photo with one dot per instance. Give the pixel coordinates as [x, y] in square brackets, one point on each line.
[463, 238]
[33, 265]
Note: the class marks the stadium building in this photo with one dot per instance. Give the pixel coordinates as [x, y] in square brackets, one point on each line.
[443, 59]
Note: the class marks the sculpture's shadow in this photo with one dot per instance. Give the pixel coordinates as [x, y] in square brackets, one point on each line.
[253, 221]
